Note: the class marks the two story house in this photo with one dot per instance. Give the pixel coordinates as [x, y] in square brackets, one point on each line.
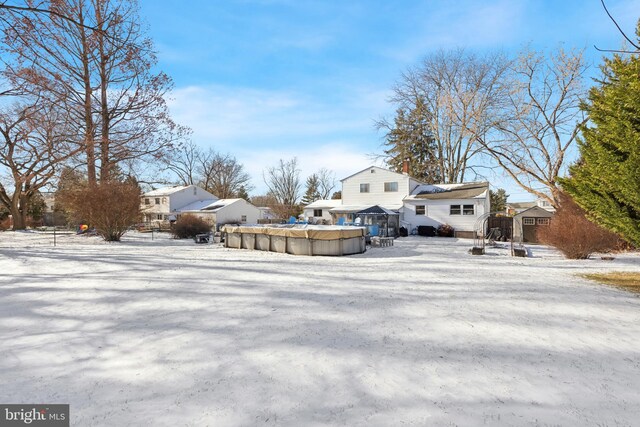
[403, 201]
[163, 204]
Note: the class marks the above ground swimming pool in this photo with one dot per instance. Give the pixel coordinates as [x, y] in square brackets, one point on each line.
[297, 239]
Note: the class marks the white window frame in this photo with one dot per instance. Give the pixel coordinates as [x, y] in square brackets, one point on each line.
[424, 209]
[468, 210]
[364, 187]
[455, 209]
[243, 218]
[528, 221]
[391, 187]
[542, 221]
[317, 212]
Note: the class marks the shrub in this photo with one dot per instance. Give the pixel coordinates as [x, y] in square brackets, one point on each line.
[573, 234]
[445, 230]
[188, 226]
[109, 207]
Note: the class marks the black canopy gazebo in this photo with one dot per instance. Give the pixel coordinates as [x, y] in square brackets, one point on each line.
[378, 215]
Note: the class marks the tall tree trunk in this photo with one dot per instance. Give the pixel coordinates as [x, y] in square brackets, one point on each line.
[105, 161]
[89, 140]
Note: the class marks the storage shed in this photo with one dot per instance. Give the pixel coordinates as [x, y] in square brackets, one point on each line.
[528, 222]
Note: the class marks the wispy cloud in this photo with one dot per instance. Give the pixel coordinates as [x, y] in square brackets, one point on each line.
[262, 126]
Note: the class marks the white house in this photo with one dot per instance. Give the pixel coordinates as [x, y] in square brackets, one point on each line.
[162, 204]
[377, 186]
[458, 205]
[321, 210]
[223, 211]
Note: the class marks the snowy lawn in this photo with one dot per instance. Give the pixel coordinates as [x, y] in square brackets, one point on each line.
[171, 333]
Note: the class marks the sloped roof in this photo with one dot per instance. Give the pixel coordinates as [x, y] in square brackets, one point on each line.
[470, 190]
[166, 191]
[208, 205]
[324, 203]
[358, 208]
[522, 205]
[376, 210]
[379, 168]
[535, 212]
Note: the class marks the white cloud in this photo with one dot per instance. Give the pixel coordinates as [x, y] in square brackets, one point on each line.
[259, 127]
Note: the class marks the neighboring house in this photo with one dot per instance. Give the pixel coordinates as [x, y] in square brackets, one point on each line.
[321, 210]
[223, 211]
[458, 205]
[162, 204]
[517, 207]
[528, 222]
[266, 213]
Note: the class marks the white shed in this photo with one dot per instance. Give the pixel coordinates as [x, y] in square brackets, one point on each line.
[223, 211]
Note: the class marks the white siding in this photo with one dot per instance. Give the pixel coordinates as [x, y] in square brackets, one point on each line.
[235, 211]
[309, 213]
[172, 202]
[438, 212]
[376, 177]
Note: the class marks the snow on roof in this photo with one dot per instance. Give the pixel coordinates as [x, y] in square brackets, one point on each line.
[324, 203]
[379, 168]
[466, 190]
[166, 191]
[211, 205]
[358, 208]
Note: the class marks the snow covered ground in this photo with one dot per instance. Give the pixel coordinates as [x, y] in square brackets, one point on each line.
[164, 332]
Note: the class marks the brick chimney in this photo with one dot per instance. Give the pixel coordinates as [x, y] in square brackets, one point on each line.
[405, 166]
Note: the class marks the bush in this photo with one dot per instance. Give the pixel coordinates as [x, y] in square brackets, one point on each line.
[445, 230]
[188, 226]
[108, 207]
[573, 234]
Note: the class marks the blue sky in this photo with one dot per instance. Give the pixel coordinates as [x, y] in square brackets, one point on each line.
[271, 79]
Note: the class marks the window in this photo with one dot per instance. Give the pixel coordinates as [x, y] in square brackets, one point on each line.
[455, 210]
[529, 221]
[157, 200]
[468, 210]
[364, 188]
[373, 171]
[317, 212]
[159, 217]
[147, 201]
[543, 221]
[390, 187]
[420, 210]
[243, 218]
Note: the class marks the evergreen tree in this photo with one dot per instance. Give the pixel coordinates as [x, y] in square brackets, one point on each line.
[498, 200]
[242, 194]
[410, 138]
[606, 180]
[312, 193]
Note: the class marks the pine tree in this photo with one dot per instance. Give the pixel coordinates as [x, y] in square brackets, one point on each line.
[606, 180]
[242, 194]
[409, 138]
[498, 200]
[312, 192]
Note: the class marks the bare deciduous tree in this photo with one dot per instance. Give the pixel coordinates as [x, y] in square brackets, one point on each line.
[326, 183]
[222, 175]
[458, 93]
[33, 146]
[283, 182]
[91, 57]
[539, 124]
